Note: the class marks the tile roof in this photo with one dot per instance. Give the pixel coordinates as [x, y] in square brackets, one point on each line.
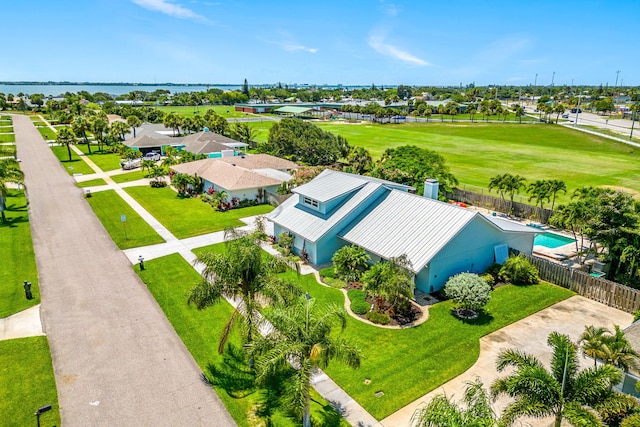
[226, 175]
[261, 161]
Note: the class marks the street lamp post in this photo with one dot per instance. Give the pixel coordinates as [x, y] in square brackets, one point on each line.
[41, 410]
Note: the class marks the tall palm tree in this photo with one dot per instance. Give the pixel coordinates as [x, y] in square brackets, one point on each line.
[81, 125]
[619, 352]
[512, 185]
[563, 392]
[241, 273]
[471, 111]
[66, 137]
[475, 410]
[592, 342]
[9, 172]
[118, 129]
[539, 191]
[555, 186]
[518, 111]
[99, 126]
[133, 122]
[301, 336]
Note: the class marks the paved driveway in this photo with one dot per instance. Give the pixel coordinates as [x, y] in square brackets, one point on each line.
[530, 335]
[117, 360]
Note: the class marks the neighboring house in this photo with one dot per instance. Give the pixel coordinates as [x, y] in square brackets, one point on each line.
[628, 384]
[336, 209]
[242, 177]
[208, 143]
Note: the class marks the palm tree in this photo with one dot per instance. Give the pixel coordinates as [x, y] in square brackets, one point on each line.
[241, 273]
[390, 281]
[631, 253]
[442, 412]
[80, 126]
[555, 185]
[301, 336]
[540, 192]
[512, 185]
[172, 120]
[99, 126]
[66, 137]
[619, 352]
[559, 109]
[133, 122]
[118, 129]
[9, 172]
[563, 392]
[592, 342]
[518, 111]
[471, 111]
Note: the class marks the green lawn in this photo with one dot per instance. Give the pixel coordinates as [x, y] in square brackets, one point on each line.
[76, 165]
[226, 111]
[7, 137]
[18, 259]
[129, 176]
[109, 207]
[6, 129]
[47, 133]
[169, 279]
[189, 217]
[105, 161]
[92, 183]
[476, 152]
[27, 382]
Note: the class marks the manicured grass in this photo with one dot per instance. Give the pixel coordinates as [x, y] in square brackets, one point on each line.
[92, 183]
[8, 149]
[169, 279]
[47, 133]
[129, 176]
[189, 217]
[105, 161]
[76, 165]
[476, 152]
[7, 137]
[109, 207]
[226, 111]
[6, 129]
[27, 382]
[18, 259]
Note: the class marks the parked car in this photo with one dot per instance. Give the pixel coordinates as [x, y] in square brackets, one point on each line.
[576, 110]
[152, 155]
[130, 164]
[565, 116]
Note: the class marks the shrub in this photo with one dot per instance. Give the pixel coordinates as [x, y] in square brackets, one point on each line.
[494, 271]
[379, 318]
[327, 272]
[469, 291]
[350, 262]
[632, 421]
[636, 316]
[519, 271]
[285, 240]
[334, 283]
[489, 279]
[358, 305]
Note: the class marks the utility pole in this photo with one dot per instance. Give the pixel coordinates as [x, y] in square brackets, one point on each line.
[617, 74]
[553, 76]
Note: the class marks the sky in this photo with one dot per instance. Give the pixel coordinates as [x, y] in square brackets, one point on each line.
[350, 42]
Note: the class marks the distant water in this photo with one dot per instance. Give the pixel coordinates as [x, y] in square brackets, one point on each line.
[115, 89]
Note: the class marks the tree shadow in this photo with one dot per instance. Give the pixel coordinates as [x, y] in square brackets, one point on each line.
[233, 375]
[330, 415]
[483, 318]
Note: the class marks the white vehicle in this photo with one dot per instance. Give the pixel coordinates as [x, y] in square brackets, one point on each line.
[131, 164]
[152, 156]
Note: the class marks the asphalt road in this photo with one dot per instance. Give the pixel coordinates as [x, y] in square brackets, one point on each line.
[117, 360]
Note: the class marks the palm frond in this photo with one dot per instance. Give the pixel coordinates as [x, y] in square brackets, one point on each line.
[515, 358]
[204, 295]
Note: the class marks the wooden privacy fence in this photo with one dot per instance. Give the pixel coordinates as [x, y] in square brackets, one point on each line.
[604, 291]
[521, 210]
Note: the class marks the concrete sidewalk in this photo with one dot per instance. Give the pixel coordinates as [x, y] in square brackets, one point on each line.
[21, 325]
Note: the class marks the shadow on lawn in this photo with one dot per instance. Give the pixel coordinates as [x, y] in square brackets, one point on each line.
[235, 377]
[483, 318]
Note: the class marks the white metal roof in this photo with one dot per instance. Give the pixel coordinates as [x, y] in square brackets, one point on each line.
[513, 226]
[312, 225]
[405, 223]
[329, 185]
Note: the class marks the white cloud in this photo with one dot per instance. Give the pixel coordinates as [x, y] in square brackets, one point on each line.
[288, 43]
[379, 44]
[169, 8]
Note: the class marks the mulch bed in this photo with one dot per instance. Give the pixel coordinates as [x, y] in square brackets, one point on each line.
[395, 320]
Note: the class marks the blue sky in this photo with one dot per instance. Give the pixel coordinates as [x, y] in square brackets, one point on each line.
[349, 41]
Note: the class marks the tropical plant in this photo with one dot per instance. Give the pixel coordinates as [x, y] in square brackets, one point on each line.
[302, 336]
[243, 273]
[244, 133]
[519, 271]
[507, 184]
[390, 281]
[518, 111]
[475, 410]
[618, 351]
[81, 125]
[540, 192]
[173, 121]
[469, 292]
[9, 173]
[66, 137]
[350, 262]
[133, 122]
[592, 343]
[99, 126]
[564, 392]
[118, 130]
[554, 187]
[359, 160]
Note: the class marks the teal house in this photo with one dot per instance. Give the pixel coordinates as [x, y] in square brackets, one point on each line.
[387, 220]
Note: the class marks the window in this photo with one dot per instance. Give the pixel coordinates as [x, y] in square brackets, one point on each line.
[310, 202]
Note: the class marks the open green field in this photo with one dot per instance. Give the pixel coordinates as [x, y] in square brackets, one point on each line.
[109, 207]
[226, 111]
[477, 152]
[169, 279]
[7, 137]
[105, 161]
[27, 382]
[129, 176]
[47, 133]
[18, 259]
[92, 183]
[189, 217]
[76, 165]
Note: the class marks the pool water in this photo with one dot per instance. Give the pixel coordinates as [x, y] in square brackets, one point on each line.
[552, 240]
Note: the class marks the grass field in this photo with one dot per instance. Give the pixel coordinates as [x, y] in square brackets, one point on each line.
[129, 176]
[189, 217]
[226, 111]
[76, 165]
[6, 128]
[7, 137]
[169, 279]
[105, 161]
[109, 207]
[27, 382]
[91, 183]
[47, 133]
[477, 152]
[18, 259]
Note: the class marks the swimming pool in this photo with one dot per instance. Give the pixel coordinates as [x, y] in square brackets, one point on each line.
[552, 240]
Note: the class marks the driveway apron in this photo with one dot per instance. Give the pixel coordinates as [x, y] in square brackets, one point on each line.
[116, 358]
